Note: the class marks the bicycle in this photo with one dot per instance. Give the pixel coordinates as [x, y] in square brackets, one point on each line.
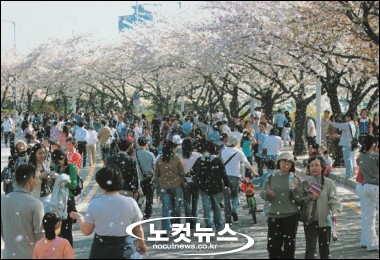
[249, 189]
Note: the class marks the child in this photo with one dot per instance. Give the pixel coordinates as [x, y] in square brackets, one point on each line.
[329, 167]
[271, 165]
[52, 246]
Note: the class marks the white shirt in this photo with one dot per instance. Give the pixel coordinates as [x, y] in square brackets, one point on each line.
[233, 166]
[7, 125]
[310, 128]
[273, 143]
[112, 214]
[81, 135]
[188, 163]
[92, 137]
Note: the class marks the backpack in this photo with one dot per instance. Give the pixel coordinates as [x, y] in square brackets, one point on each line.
[78, 189]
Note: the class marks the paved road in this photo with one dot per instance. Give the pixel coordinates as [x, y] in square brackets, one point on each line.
[347, 246]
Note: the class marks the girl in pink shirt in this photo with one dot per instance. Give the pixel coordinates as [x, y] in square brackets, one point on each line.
[52, 246]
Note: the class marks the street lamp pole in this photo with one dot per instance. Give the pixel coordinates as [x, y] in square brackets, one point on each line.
[15, 80]
[14, 31]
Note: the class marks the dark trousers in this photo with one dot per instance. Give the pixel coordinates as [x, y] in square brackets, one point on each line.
[311, 140]
[191, 199]
[312, 233]
[260, 165]
[6, 136]
[107, 247]
[12, 143]
[280, 131]
[148, 190]
[248, 173]
[67, 224]
[82, 151]
[282, 233]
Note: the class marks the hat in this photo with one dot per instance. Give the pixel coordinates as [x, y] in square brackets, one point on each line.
[142, 141]
[233, 139]
[177, 139]
[308, 114]
[287, 156]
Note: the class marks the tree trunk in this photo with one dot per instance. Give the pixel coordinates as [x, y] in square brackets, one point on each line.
[300, 117]
[4, 95]
[42, 103]
[234, 104]
[268, 103]
[64, 99]
[332, 94]
[29, 96]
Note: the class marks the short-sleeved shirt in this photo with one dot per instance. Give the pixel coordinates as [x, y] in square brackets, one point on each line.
[112, 214]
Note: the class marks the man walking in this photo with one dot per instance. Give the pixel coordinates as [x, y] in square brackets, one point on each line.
[144, 161]
[82, 137]
[21, 216]
[128, 169]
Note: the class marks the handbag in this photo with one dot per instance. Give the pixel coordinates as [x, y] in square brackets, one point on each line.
[354, 142]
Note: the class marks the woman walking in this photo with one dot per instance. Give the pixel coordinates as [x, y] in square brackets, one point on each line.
[281, 191]
[170, 171]
[109, 216]
[64, 167]
[321, 202]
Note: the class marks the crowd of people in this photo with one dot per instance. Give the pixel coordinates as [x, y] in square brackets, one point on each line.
[182, 161]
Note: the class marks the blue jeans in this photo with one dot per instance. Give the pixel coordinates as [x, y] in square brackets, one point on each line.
[191, 199]
[234, 196]
[171, 201]
[347, 160]
[212, 210]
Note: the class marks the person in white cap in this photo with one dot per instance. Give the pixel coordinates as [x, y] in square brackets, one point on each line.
[232, 156]
[178, 141]
[281, 191]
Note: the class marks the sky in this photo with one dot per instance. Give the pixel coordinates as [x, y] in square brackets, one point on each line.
[37, 21]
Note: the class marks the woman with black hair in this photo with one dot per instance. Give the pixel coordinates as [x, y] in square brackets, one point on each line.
[45, 181]
[170, 171]
[211, 178]
[62, 166]
[321, 201]
[109, 216]
[52, 246]
[191, 194]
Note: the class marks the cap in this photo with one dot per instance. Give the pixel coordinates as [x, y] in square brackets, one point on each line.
[287, 156]
[308, 114]
[142, 141]
[232, 139]
[177, 139]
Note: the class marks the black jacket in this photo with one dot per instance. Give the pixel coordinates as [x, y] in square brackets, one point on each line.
[128, 168]
[210, 174]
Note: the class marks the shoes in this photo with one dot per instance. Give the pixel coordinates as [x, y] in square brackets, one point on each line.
[235, 217]
[146, 217]
[222, 205]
